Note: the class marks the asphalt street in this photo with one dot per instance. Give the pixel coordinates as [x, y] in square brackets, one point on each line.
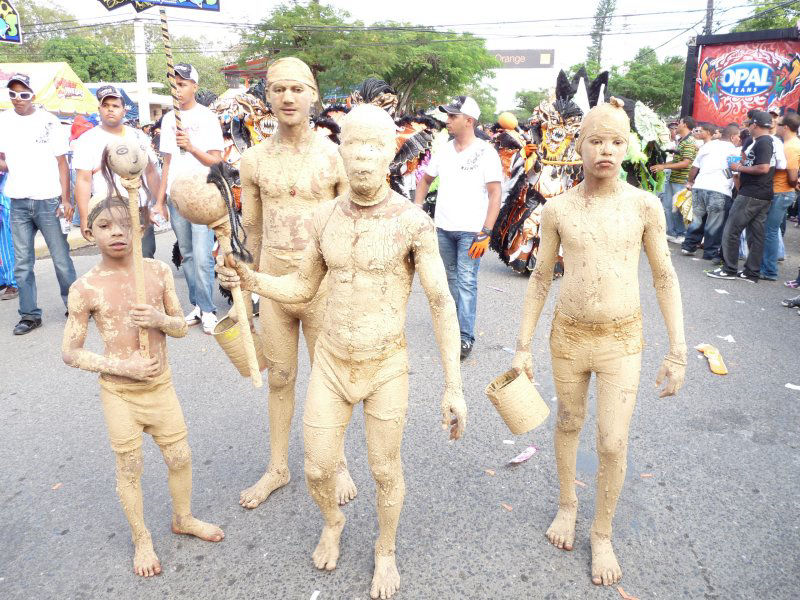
[709, 508]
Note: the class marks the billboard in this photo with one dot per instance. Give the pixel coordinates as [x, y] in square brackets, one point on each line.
[524, 59]
[9, 23]
[734, 78]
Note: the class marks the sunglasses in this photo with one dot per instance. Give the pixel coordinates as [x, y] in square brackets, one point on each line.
[21, 95]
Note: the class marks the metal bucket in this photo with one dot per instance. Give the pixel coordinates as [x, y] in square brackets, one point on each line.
[229, 337]
[518, 401]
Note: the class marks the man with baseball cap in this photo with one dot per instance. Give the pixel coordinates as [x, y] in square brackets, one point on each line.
[88, 154]
[33, 150]
[756, 172]
[190, 151]
[467, 204]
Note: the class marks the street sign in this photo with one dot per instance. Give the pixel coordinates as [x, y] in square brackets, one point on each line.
[524, 59]
[198, 4]
[10, 31]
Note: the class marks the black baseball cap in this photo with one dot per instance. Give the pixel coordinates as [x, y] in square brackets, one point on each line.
[187, 71]
[20, 78]
[762, 119]
[108, 91]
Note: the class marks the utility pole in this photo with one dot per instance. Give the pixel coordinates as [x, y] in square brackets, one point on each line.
[142, 89]
[709, 17]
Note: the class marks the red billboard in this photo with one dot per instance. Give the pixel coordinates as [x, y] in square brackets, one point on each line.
[733, 78]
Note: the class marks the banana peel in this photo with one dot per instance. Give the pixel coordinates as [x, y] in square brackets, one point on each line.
[715, 362]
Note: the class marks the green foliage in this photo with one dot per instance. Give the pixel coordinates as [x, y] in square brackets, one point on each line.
[602, 21]
[658, 84]
[188, 50]
[485, 97]
[774, 16]
[91, 59]
[527, 100]
[592, 69]
[342, 53]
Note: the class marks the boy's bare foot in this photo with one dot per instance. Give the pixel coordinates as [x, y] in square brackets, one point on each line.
[386, 579]
[345, 488]
[605, 568]
[561, 532]
[188, 525]
[327, 551]
[145, 561]
[269, 482]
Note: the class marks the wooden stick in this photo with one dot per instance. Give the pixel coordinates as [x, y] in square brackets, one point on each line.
[239, 306]
[132, 185]
[165, 38]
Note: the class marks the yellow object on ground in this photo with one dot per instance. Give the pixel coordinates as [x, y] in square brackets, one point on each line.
[715, 362]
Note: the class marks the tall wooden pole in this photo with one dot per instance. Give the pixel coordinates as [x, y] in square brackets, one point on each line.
[170, 70]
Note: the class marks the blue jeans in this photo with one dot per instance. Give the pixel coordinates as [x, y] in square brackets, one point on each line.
[708, 205]
[777, 211]
[27, 217]
[6, 245]
[195, 243]
[675, 226]
[462, 277]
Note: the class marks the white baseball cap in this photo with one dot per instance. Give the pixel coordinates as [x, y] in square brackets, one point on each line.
[462, 105]
[187, 71]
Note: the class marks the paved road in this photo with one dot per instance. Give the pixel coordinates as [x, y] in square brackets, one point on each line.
[717, 519]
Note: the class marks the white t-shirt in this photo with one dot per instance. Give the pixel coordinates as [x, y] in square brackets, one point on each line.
[88, 152]
[712, 160]
[31, 144]
[462, 199]
[204, 131]
[779, 154]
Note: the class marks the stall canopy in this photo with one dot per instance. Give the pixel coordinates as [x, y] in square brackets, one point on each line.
[58, 89]
[131, 110]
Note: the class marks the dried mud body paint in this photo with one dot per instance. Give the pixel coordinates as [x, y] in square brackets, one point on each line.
[367, 244]
[602, 224]
[284, 179]
[136, 391]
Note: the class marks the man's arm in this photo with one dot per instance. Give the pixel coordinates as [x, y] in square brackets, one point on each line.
[754, 170]
[63, 175]
[668, 293]
[791, 176]
[673, 165]
[206, 158]
[538, 287]
[433, 278]
[493, 189]
[422, 189]
[75, 355]
[252, 219]
[160, 206]
[692, 176]
[3, 163]
[83, 192]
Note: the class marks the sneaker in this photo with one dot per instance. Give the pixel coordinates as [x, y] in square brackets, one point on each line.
[793, 283]
[26, 325]
[765, 278]
[680, 239]
[672, 239]
[466, 348]
[686, 252]
[193, 318]
[791, 302]
[9, 293]
[745, 277]
[721, 273]
[209, 320]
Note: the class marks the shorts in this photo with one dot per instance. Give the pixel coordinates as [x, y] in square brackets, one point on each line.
[150, 406]
[339, 384]
[579, 348]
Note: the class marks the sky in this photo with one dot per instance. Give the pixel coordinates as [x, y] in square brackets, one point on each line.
[511, 25]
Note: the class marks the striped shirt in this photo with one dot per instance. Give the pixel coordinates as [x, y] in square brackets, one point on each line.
[687, 150]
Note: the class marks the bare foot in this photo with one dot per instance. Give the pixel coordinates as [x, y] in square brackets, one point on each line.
[561, 532]
[327, 551]
[145, 561]
[190, 526]
[605, 568]
[345, 488]
[386, 579]
[269, 482]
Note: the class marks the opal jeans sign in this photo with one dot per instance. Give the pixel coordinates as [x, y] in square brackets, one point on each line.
[746, 79]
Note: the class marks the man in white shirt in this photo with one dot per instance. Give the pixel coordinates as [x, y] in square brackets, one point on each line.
[33, 149]
[191, 151]
[711, 183]
[88, 153]
[467, 203]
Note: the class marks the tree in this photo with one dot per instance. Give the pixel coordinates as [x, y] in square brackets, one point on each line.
[528, 100]
[188, 50]
[658, 84]
[424, 66]
[770, 14]
[91, 59]
[602, 20]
